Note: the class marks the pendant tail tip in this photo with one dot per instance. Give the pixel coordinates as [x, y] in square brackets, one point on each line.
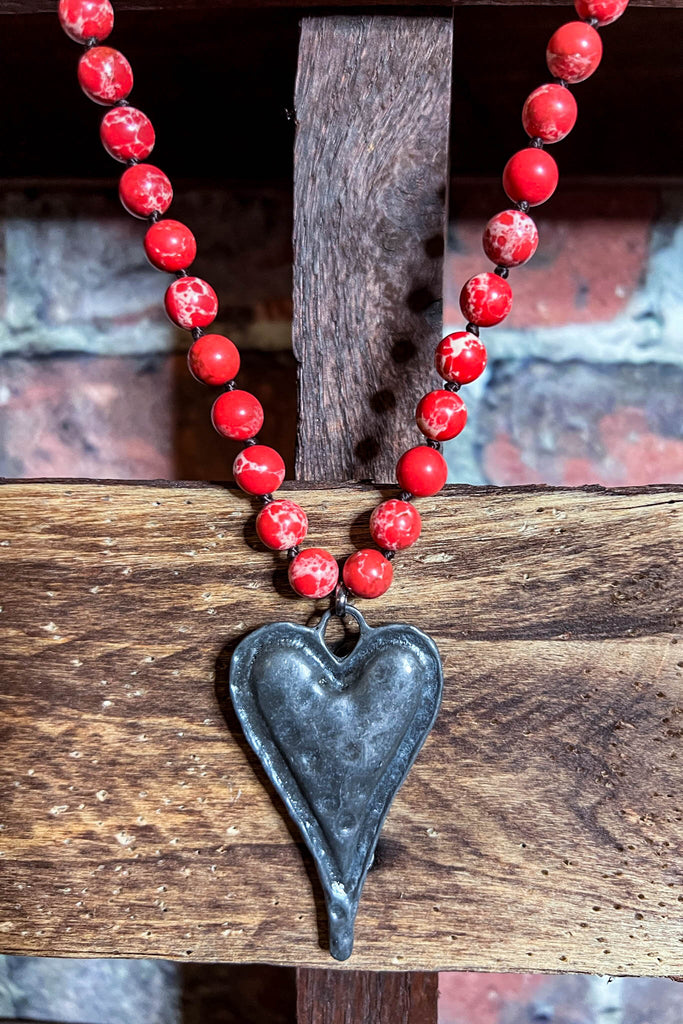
[342, 920]
[341, 942]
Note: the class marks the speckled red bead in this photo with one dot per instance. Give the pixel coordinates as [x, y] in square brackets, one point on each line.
[144, 189]
[395, 525]
[422, 471]
[549, 113]
[191, 302]
[531, 176]
[510, 238]
[213, 359]
[441, 415]
[127, 134]
[485, 299]
[86, 19]
[460, 357]
[313, 573]
[606, 11]
[367, 573]
[237, 415]
[281, 524]
[105, 75]
[259, 469]
[574, 52]
[170, 245]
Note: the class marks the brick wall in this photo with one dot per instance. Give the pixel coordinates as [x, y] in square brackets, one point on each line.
[586, 375]
[93, 380]
[583, 384]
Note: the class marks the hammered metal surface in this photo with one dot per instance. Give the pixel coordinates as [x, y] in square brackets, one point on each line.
[337, 737]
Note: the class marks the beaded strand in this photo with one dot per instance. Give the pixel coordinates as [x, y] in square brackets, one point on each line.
[510, 239]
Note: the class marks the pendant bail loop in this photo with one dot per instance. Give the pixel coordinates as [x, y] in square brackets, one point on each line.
[340, 601]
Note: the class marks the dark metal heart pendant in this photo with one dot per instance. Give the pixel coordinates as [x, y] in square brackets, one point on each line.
[337, 737]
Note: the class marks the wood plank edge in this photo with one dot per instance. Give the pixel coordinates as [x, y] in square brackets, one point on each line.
[361, 963]
[363, 486]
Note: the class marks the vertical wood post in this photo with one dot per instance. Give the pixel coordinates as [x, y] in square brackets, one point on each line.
[370, 181]
[370, 185]
[366, 997]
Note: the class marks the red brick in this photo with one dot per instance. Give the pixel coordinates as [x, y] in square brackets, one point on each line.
[466, 998]
[575, 423]
[130, 417]
[591, 256]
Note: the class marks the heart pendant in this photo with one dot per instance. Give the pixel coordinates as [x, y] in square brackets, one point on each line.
[337, 737]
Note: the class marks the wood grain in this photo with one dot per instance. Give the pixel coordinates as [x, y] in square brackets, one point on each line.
[540, 828]
[348, 997]
[372, 103]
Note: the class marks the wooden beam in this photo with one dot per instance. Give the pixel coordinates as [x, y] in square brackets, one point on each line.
[372, 105]
[46, 7]
[540, 828]
[348, 997]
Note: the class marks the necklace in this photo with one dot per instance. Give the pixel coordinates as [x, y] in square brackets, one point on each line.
[337, 734]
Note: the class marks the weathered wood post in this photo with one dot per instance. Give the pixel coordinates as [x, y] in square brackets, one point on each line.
[370, 186]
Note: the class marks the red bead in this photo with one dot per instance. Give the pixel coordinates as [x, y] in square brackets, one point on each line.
[86, 19]
[191, 302]
[170, 245]
[460, 357]
[105, 75]
[422, 471]
[127, 134]
[395, 525]
[144, 189]
[574, 52]
[213, 359]
[530, 175]
[259, 469]
[281, 524]
[606, 11]
[237, 415]
[441, 415]
[313, 573]
[510, 238]
[367, 573]
[549, 113]
[486, 299]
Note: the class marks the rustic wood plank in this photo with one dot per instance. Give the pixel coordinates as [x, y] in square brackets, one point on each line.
[540, 828]
[45, 7]
[372, 104]
[347, 997]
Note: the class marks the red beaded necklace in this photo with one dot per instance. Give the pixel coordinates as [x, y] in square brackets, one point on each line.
[281, 664]
[510, 239]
